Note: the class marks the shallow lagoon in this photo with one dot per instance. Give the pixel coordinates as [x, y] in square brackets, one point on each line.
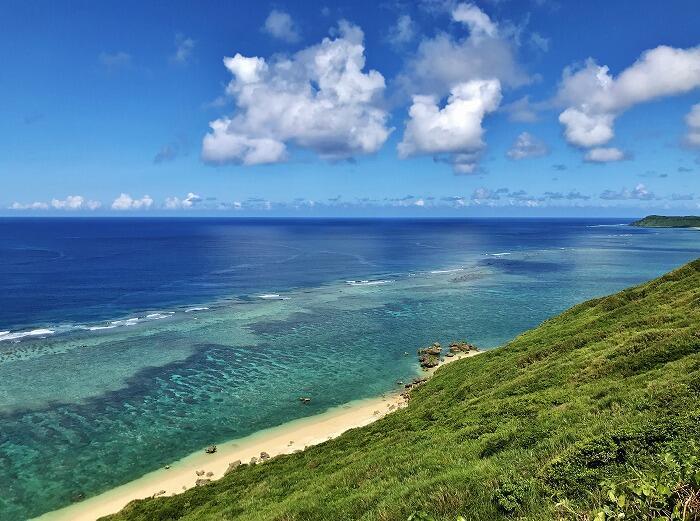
[105, 398]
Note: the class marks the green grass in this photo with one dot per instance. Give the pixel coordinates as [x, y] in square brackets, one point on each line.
[552, 425]
[661, 221]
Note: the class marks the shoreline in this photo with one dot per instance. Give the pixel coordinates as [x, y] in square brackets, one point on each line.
[182, 475]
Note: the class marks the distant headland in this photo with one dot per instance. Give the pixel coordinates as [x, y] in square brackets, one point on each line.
[662, 221]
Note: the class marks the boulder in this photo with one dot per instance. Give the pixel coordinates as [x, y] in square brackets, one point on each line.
[211, 449]
[264, 456]
[201, 482]
[233, 466]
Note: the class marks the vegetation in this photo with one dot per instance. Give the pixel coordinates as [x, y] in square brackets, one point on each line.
[593, 415]
[661, 221]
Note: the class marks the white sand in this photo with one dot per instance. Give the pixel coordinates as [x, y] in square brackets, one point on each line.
[284, 439]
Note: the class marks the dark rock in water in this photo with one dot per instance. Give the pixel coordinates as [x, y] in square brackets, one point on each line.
[264, 456]
[201, 482]
[77, 496]
[433, 350]
[304, 399]
[428, 360]
[468, 277]
[233, 466]
[211, 449]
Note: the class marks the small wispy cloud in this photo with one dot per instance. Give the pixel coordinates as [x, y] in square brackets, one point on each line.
[184, 47]
[116, 60]
[280, 25]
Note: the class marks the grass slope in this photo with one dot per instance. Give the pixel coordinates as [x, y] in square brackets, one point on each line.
[604, 391]
[661, 221]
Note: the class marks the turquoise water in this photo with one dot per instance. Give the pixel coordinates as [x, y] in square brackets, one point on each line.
[116, 390]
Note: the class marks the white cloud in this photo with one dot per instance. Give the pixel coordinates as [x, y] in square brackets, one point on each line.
[527, 145]
[70, 203]
[175, 203]
[456, 128]
[594, 98]
[183, 49]
[281, 26]
[692, 119]
[479, 23]
[443, 61]
[587, 130]
[604, 155]
[125, 202]
[640, 192]
[522, 110]
[403, 31]
[37, 205]
[319, 99]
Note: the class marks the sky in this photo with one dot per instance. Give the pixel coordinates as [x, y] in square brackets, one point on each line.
[355, 108]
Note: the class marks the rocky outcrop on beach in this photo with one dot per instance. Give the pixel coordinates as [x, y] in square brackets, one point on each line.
[429, 356]
[233, 466]
[462, 347]
[211, 449]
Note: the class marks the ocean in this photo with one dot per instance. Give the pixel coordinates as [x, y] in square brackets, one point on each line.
[126, 344]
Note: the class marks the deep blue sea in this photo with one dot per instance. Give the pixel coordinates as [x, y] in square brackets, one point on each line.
[126, 344]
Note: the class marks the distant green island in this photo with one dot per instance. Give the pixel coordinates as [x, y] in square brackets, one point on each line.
[662, 221]
[592, 415]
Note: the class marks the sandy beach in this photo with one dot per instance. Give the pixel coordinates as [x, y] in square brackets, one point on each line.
[284, 439]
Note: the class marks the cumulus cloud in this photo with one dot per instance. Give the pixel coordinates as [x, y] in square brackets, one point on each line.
[523, 110]
[478, 22]
[682, 197]
[594, 98]
[527, 145]
[640, 192]
[604, 155]
[183, 50]
[454, 130]
[470, 70]
[189, 201]
[319, 99]
[74, 202]
[126, 202]
[443, 61]
[70, 203]
[505, 197]
[571, 196]
[280, 25]
[692, 119]
[37, 205]
[403, 31]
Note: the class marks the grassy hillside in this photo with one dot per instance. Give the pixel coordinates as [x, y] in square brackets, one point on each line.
[596, 410]
[661, 221]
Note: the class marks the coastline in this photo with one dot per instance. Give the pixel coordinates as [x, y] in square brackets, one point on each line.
[182, 474]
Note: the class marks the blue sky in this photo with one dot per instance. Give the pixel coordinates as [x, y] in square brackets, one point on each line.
[432, 108]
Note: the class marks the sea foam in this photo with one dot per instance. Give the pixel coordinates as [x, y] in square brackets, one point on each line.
[9, 335]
